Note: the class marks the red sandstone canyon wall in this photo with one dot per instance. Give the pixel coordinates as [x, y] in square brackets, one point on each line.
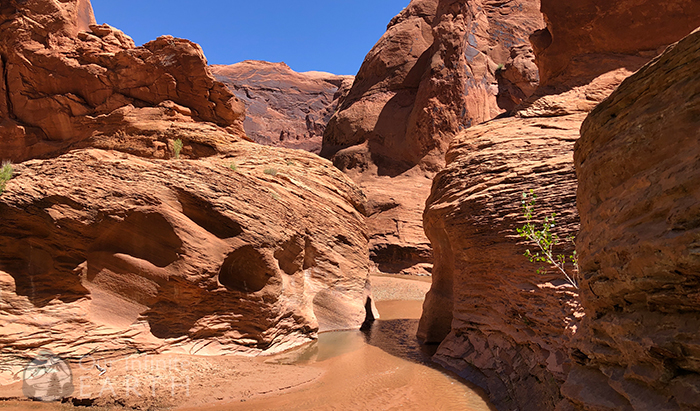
[115, 241]
[639, 201]
[68, 82]
[588, 47]
[430, 75]
[499, 324]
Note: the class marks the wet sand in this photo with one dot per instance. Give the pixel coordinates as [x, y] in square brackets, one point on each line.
[155, 382]
[37, 406]
[382, 368]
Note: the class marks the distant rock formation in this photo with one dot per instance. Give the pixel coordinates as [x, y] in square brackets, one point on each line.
[110, 245]
[431, 75]
[639, 198]
[499, 323]
[284, 108]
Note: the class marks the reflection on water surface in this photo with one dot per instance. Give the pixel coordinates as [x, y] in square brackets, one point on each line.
[382, 368]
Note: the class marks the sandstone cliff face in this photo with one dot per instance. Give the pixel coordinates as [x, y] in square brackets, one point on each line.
[432, 73]
[500, 325]
[639, 185]
[109, 247]
[429, 76]
[66, 80]
[180, 254]
[614, 34]
[585, 40]
[284, 108]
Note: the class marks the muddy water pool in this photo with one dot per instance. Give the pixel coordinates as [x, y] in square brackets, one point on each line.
[382, 368]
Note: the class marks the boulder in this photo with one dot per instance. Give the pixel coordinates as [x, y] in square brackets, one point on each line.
[518, 78]
[66, 80]
[639, 244]
[284, 108]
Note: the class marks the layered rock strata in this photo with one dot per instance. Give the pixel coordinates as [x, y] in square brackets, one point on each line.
[284, 108]
[430, 75]
[103, 249]
[141, 227]
[65, 80]
[639, 185]
[106, 251]
[501, 325]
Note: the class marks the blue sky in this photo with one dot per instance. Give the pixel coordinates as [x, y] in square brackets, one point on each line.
[329, 35]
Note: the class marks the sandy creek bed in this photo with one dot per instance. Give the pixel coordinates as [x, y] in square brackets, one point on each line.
[383, 368]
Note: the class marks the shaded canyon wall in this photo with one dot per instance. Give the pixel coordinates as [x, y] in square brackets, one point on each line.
[499, 324]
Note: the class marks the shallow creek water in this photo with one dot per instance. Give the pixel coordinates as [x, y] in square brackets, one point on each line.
[383, 368]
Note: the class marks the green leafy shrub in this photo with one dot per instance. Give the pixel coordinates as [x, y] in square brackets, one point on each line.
[5, 174]
[500, 67]
[270, 171]
[233, 167]
[177, 148]
[545, 240]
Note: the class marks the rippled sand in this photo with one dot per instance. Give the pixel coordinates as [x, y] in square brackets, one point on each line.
[383, 368]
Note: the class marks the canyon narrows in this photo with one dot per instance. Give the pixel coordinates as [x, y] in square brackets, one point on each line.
[159, 205]
[512, 331]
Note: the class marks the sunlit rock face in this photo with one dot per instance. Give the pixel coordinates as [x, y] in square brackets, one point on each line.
[144, 221]
[106, 249]
[499, 324]
[284, 108]
[67, 82]
[639, 185]
[588, 38]
[431, 75]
